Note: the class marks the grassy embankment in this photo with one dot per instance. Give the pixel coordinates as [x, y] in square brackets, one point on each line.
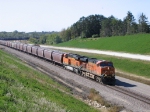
[138, 43]
[24, 89]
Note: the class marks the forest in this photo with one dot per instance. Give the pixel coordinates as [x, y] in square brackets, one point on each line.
[93, 26]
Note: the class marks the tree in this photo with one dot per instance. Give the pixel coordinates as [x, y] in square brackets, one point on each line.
[106, 30]
[143, 24]
[57, 39]
[65, 34]
[118, 27]
[129, 22]
[51, 38]
[42, 39]
[87, 26]
[134, 28]
[33, 40]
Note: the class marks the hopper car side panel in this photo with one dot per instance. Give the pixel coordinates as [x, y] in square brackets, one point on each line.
[40, 52]
[18, 46]
[29, 49]
[34, 50]
[21, 47]
[25, 47]
[57, 57]
[10, 44]
[15, 45]
[48, 54]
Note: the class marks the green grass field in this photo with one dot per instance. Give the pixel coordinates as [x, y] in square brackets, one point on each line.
[138, 43]
[24, 89]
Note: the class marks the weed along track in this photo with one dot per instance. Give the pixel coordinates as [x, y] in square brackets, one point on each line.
[81, 85]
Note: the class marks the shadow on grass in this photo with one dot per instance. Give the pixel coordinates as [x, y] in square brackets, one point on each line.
[125, 84]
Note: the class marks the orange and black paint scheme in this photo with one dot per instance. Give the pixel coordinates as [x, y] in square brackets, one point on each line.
[100, 70]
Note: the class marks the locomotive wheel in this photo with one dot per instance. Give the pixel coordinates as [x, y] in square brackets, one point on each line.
[98, 79]
[76, 70]
[83, 74]
[102, 80]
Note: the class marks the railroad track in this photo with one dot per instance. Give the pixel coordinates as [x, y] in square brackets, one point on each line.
[132, 94]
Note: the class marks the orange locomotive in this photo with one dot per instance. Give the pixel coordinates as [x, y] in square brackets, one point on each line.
[99, 70]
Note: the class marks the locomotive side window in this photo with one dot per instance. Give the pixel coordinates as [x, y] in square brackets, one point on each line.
[106, 64]
[103, 64]
[110, 64]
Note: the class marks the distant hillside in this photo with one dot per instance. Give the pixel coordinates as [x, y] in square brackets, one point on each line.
[138, 43]
[15, 35]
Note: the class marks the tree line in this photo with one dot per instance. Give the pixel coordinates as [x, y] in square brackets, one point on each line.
[88, 27]
[22, 35]
[95, 26]
[100, 26]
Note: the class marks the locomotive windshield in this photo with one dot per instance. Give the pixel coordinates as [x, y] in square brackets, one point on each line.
[106, 64]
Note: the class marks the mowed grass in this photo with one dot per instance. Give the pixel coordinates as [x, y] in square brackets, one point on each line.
[24, 89]
[137, 43]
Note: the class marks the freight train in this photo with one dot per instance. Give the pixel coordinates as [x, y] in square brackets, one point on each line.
[99, 70]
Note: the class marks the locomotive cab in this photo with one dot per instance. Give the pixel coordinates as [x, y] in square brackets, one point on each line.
[106, 71]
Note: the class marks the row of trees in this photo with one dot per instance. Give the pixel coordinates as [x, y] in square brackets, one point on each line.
[47, 39]
[15, 34]
[100, 26]
[22, 35]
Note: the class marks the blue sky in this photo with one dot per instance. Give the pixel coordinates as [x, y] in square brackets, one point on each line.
[54, 15]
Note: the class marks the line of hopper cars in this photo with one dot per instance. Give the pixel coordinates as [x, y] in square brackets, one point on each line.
[99, 70]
